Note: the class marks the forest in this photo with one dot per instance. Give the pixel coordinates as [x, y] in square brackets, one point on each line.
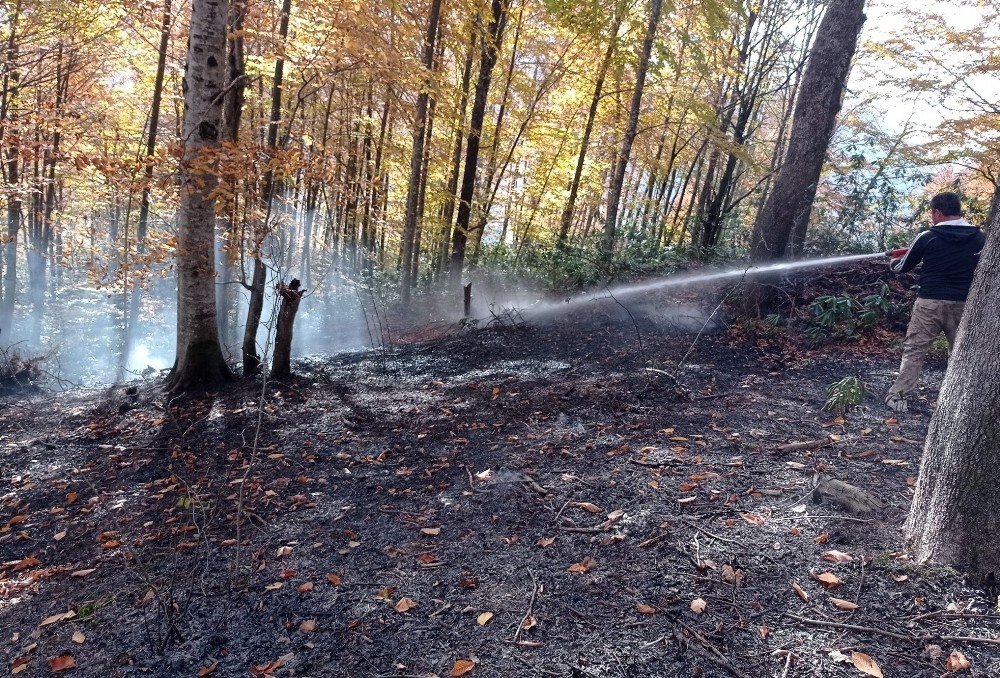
[496, 337]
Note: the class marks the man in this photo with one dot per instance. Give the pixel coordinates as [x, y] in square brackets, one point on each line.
[949, 252]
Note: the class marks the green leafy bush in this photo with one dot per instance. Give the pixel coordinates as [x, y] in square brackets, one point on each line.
[844, 394]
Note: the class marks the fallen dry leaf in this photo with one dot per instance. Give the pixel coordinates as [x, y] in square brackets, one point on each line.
[207, 670]
[308, 626]
[587, 506]
[71, 497]
[268, 669]
[835, 556]
[827, 579]
[585, 565]
[430, 531]
[866, 664]
[333, 579]
[62, 663]
[698, 605]
[546, 541]
[484, 618]
[404, 605]
[686, 500]
[731, 576]
[643, 608]
[956, 662]
[82, 573]
[801, 592]
[461, 667]
[284, 551]
[842, 604]
[59, 536]
[58, 618]
[24, 564]
[306, 587]
[79, 637]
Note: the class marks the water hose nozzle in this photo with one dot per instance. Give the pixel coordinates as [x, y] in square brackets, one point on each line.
[897, 253]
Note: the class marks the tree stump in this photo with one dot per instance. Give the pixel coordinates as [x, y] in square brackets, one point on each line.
[850, 498]
[291, 295]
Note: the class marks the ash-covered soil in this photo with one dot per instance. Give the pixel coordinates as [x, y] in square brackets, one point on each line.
[603, 495]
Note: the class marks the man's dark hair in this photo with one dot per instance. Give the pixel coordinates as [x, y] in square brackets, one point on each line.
[948, 204]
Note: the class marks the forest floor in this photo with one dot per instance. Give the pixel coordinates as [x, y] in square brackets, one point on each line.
[519, 499]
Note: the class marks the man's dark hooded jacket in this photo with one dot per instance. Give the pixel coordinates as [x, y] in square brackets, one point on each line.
[949, 252]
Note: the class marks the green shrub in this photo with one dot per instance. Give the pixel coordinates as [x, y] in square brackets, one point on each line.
[844, 394]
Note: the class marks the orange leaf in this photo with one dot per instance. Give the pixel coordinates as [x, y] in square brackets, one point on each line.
[333, 579]
[842, 604]
[800, 592]
[587, 506]
[306, 587]
[837, 557]
[585, 565]
[866, 664]
[268, 669]
[62, 663]
[643, 608]
[545, 541]
[404, 605]
[207, 670]
[827, 579]
[956, 662]
[461, 667]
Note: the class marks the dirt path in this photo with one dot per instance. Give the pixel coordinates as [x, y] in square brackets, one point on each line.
[530, 500]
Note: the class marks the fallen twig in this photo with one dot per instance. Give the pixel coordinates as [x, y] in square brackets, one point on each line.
[707, 533]
[898, 636]
[531, 605]
[706, 650]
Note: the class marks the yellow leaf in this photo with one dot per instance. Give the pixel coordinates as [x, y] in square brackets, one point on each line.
[698, 605]
[404, 605]
[461, 667]
[866, 664]
[842, 604]
[484, 618]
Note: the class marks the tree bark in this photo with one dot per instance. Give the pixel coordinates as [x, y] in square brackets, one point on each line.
[417, 154]
[251, 359]
[487, 60]
[291, 295]
[955, 515]
[631, 131]
[199, 360]
[787, 208]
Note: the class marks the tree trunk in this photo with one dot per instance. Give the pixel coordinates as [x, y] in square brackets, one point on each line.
[487, 60]
[291, 295]
[955, 515]
[448, 211]
[199, 359]
[251, 359]
[786, 210]
[631, 130]
[417, 154]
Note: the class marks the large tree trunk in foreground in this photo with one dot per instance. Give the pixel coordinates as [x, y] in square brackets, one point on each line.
[955, 515]
[199, 359]
[787, 208]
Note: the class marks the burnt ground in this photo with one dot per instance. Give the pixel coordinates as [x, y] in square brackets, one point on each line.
[521, 499]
